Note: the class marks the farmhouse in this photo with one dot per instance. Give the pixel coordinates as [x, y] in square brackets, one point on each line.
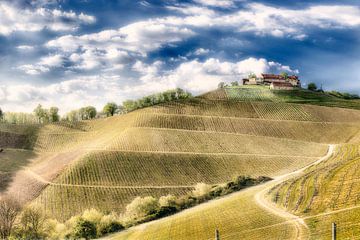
[278, 81]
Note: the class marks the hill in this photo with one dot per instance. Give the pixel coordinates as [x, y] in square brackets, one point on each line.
[168, 148]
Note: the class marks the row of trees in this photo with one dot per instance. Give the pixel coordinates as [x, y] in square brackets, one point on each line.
[31, 222]
[150, 100]
[43, 115]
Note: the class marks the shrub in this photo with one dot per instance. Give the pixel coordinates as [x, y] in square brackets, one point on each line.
[142, 207]
[165, 211]
[92, 215]
[85, 229]
[109, 224]
[167, 201]
[110, 227]
[201, 190]
[312, 86]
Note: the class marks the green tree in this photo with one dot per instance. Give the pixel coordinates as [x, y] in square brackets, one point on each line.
[88, 112]
[73, 116]
[85, 229]
[285, 75]
[110, 109]
[312, 86]
[54, 114]
[1, 115]
[234, 84]
[41, 113]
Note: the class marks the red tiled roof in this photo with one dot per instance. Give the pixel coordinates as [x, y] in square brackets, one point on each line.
[276, 76]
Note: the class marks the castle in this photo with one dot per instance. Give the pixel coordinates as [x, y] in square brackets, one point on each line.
[278, 82]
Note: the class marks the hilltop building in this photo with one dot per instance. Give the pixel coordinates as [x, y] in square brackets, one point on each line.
[274, 81]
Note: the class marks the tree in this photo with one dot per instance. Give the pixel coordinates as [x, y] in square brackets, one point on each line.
[110, 109]
[42, 114]
[88, 112]
[9, 210]
[234, 84]
[285, 75]
[85, 229]
[32, 221]
[54, 114]
[73, 116]
[221, 85]
[1, 115]
[312, 86]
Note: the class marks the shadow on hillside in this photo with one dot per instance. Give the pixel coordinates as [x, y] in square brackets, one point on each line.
[11, 161]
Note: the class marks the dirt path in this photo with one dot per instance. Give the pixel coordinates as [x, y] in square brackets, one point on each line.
[260, 197]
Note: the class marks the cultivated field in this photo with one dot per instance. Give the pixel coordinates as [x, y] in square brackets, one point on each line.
[325, 193]
[168, 148]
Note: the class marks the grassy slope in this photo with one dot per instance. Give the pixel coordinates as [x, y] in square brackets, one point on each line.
[236, 217]
[107, 162]
[327, 192]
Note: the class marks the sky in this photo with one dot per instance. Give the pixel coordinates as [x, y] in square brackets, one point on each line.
[71, 54]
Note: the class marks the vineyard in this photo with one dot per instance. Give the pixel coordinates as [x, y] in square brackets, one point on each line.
[236, 217]
[168, 148]
[324, 190]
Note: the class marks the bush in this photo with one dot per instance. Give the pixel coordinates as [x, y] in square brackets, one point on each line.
[142, 207]
[201, 190]
[92, 215]
[312, 87]
[167, 201]
[110, 227]
[85, 229]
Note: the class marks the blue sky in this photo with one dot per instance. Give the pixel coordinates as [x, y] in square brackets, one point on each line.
[75, 53]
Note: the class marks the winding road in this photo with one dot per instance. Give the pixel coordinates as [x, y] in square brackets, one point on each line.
[262, 201]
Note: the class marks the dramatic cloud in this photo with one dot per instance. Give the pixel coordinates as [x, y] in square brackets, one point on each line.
[194, 76]
[14, 19]
[266, 20]
[216, 3]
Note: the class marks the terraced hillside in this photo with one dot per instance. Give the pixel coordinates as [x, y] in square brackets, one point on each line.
[168, 148]
[326, 193]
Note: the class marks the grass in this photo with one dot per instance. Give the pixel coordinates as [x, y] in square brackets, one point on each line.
[236, 217]
[327, 193]
[106, 163]
[263, 93]
[11, 160]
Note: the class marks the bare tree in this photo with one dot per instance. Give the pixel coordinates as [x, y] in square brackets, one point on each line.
[9, 210]
[31, 224]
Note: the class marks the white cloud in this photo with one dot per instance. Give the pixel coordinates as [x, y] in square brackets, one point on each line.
[96, 90]
[267, 20]
[140, 37]
[216, 3]
[25, 47]
[35, 19]
[204, 76]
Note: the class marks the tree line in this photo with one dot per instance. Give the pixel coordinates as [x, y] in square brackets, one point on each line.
[31, 222]
[41, 115]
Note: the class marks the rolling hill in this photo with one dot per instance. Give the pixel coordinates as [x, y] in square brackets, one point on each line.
[168, 148]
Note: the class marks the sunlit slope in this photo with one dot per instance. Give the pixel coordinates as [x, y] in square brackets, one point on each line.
[263, 93]
[170, 147]
[328, 192]
[236, 217]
